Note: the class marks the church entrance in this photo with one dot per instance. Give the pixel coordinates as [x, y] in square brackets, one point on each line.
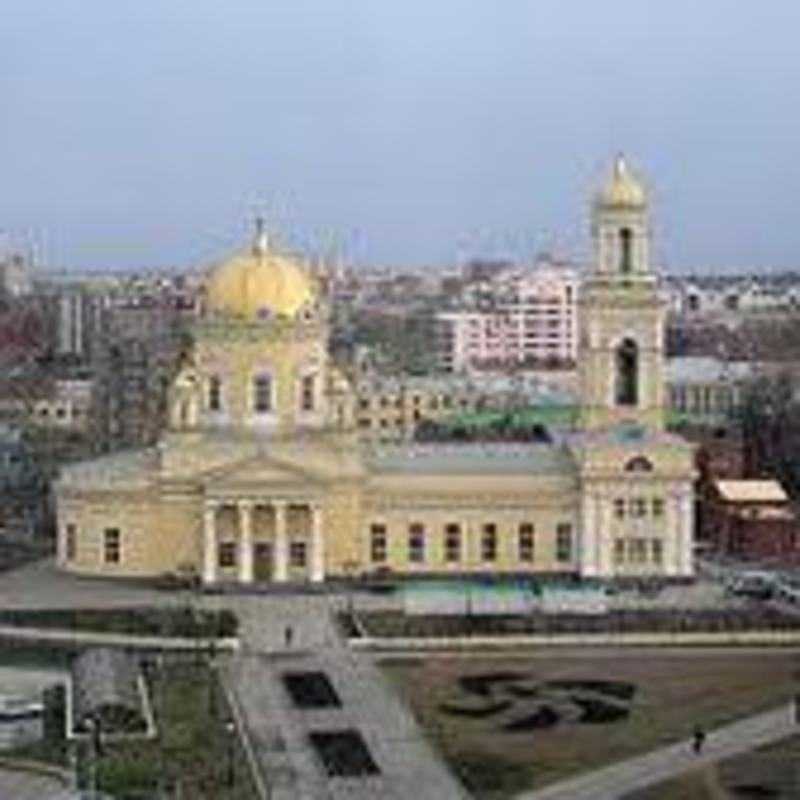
[262, 561]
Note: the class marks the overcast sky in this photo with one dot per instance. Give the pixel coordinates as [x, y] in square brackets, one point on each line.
[148, 133]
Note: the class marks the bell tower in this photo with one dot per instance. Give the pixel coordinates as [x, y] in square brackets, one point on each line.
[621, 321]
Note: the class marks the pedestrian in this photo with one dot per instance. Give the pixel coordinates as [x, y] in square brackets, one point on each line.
[797, 709]
[288, 635]
[698, 739]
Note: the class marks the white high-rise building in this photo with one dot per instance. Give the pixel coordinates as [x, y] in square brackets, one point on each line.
[521, 318]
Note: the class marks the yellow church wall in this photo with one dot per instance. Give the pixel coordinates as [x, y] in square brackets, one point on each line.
[155, 535]
[284, 354]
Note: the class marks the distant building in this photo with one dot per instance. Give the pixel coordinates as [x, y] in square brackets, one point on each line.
[518, 319]
[22, 489]
[704, 388]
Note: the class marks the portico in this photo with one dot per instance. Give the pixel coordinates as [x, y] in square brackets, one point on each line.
[252, 539]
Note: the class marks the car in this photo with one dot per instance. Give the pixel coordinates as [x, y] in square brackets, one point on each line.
[185, 576]
[755, 585]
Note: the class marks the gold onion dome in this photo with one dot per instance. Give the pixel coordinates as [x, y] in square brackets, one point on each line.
[259, 284]
[623, 190]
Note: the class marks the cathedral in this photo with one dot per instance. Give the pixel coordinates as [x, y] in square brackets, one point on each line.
[261, 476]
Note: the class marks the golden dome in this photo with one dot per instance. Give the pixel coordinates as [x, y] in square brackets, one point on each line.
[623, 190]
[259, 284]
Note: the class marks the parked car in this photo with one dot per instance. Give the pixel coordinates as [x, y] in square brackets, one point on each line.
[755, 585]
[185, 576]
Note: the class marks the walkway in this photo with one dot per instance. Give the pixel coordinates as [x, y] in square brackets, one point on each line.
[408, 765]
[618, 780]
[27, 786]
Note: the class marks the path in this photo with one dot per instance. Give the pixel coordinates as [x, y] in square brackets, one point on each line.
[409, 767]
[27, 786]
[616, 781]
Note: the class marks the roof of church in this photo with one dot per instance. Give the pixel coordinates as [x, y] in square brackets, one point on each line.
[259, 283]
[131, 469]
[624, 189]
[474, 458]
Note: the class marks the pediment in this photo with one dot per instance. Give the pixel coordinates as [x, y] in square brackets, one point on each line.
[259, 471]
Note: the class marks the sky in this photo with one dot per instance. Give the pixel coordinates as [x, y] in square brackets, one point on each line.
[416, 133]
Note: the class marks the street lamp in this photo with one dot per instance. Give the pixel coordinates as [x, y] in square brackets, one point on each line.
[230, 728]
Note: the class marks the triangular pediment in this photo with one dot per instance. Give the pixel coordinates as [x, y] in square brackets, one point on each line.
[261, 471]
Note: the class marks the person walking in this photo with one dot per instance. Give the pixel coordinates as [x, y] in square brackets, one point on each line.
[288, 635]
[698, 739]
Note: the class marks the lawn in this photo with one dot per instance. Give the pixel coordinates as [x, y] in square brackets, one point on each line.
[506, 724]
[137, 620]
[772, 771]
[192, 758]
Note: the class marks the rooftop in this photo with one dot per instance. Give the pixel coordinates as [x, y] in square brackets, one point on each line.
[471, 459]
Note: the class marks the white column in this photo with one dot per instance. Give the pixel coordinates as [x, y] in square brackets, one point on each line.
[686, 534]
[245, 541]
[588, 536]
[317, 546]
[603, 533]
[210, 544]
[281, 552]
[672, 534]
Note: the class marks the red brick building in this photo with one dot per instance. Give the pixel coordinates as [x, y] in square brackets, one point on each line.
[749, 519]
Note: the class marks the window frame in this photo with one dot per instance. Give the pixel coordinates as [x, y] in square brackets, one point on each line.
[416, 543]
[526, 542]
[112, 544]
[453, 541]
[378, 543]
[260, 380]
[564, 532]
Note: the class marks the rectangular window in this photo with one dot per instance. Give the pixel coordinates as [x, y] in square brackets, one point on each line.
[638, 551]
[307, 393]
[226, 555]
[71, 548]
[658, 507]
[377, 544]
[416, 543]
[111, 546]
[297, 554]
[619, 551]
[564, 542]
[525, 542]
[214, 393]
[619, 508]
[262, 394]
[452, 543]
[489, 542]
[638, 507]
[657, 551]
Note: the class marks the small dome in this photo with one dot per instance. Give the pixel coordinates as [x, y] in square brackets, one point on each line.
[623, 190]
[259, 284]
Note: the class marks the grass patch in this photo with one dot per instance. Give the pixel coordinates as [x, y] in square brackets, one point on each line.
[672, 694]
[136, 621]
[191, 757]
[396, 624]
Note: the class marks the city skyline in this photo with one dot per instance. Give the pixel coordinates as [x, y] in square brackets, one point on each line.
[150, 136]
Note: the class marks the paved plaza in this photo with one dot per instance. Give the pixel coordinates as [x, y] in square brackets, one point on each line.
[279, 732]
[27, 786]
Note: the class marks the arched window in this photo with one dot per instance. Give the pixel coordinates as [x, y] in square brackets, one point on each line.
[262, 394]
[627, 373]
[639, 464]
[214, 393]
[625, 251]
